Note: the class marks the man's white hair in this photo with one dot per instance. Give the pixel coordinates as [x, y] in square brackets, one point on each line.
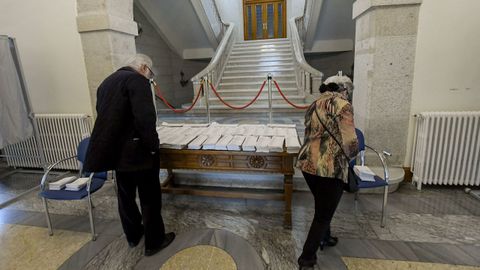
[138, 60]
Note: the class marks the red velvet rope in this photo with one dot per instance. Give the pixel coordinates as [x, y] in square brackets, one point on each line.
[286, 99]
[159, 95]
[241, 107]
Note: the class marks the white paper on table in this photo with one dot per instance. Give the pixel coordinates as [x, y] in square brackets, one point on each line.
[236, 143]
[209, 144]
[196, 125]
[282, 125]
[223, 142]
[262, 144]
[292, 144]
[249, 143]
[276, 145]
[172, 124]
[197, 142]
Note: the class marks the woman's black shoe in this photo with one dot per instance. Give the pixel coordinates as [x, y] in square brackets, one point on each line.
[330, 242]
[304, 264]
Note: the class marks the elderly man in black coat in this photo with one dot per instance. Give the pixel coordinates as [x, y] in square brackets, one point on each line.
[124, 139]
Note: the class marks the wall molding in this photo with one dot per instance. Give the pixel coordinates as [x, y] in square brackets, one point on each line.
[362, 6]
[89, 22]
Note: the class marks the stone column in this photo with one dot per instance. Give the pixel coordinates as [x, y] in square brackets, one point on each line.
[386, 33]
[108, 35]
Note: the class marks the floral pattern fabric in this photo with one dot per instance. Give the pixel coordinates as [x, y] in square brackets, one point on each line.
[320, 154]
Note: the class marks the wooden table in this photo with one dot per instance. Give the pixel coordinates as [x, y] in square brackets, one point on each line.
[231, 161]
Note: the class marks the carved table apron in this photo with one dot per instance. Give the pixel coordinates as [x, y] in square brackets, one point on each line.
[236, 161]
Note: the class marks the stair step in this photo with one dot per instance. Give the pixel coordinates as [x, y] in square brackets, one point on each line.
[258, 84]
[264, 52]
[238, 47]
[264, 77]
[271, 65]
[261, 71]
[261, 106]
[263, 96]
[282, 56]
[261, 61]
[257, 102]
[265, 41]
[256, 79]
[268, 56]
[275, 100]
[253, 92]
[255, 68]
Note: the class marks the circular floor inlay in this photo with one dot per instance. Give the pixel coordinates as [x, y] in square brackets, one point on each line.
[200, 257]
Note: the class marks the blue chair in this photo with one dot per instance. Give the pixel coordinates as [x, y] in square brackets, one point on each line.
[95, 182]
[379, 181]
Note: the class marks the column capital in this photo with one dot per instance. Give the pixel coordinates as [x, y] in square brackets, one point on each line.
[362, 6]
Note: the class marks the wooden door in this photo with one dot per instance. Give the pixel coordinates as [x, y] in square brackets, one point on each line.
[264, 19]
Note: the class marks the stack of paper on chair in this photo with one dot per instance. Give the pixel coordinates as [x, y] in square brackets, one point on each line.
[364, 173]
[77, 184]
[60, 184]
[236, 143]
[276, 145]
[249, 143]
[223, 142]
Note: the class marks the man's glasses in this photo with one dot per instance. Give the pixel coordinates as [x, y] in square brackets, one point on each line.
[151, 72]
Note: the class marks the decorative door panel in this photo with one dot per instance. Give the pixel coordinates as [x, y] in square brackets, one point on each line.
[264, 19]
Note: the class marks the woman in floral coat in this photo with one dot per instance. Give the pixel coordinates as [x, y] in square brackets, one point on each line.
[324, 162]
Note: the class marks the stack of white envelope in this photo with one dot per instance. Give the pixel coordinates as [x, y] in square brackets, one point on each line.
[77, 184]
[262, 144]
[292, 144]
[236, 143]
[60, 184]
[249, 144]
[223, 142]
[276, 145]
[365, 173]
[210, 143]
[198, 142]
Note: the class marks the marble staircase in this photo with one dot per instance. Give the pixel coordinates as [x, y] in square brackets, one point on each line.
[247, 67]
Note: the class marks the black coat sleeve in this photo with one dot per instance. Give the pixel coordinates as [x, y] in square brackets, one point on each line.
[143, 111]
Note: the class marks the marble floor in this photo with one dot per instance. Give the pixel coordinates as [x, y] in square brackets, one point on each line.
[436, 228]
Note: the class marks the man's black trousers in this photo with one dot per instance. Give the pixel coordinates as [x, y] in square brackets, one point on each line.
[150, 220]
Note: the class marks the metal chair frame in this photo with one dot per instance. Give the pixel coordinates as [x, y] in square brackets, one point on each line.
[386, 177]
[43, 185]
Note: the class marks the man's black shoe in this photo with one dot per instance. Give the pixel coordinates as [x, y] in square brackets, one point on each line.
[167, 241]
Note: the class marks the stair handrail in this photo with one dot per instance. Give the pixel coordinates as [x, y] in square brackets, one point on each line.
[222, 23]
[211, 5]
[213, 72]
[308, 78]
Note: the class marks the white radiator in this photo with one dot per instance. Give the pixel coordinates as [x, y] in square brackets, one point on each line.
[59, 135]
[447, 149]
